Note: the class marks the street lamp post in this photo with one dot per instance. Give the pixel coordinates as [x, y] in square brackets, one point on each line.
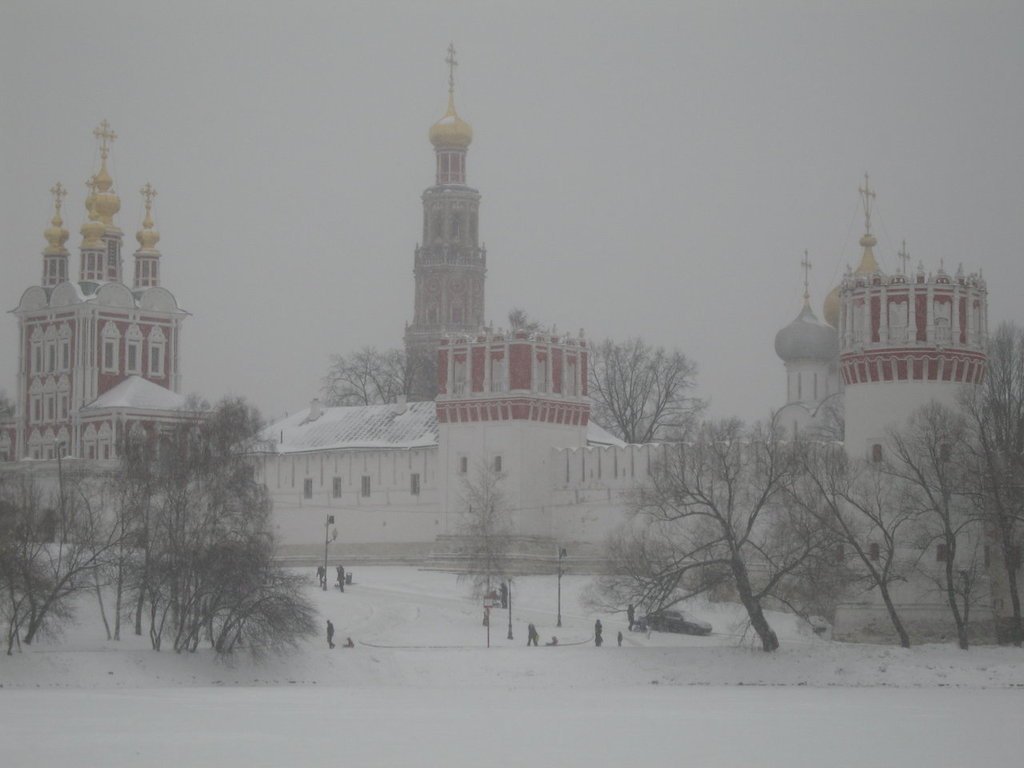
[327, 541]
[510, 609]
[561, 554]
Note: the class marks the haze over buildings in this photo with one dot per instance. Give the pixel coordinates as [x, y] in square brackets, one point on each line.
[653, 171]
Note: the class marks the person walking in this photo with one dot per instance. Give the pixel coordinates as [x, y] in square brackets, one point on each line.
[321, 574]
[620, 638]
[330, 634]
[597, 633]
[532, 636]
[631, 615]
[341, 577]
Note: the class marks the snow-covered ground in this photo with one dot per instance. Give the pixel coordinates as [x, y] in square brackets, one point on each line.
[421, 688]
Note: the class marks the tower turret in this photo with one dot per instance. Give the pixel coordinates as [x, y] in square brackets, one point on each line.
[101, 238]
[55, 255]
[147, 257]
[905, 340]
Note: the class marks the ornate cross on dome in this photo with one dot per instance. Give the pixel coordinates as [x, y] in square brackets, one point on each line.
[105, 135]
[806, 264]
[904, 256]
[452, 64]
[867, 195]
[148, 193]
[59, 193]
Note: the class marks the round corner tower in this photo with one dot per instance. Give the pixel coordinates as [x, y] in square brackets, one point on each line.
[904, 340]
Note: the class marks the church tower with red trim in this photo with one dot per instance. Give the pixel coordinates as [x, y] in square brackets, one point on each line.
[450, 263]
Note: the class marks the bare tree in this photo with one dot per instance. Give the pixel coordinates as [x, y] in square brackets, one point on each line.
[210, 574]
[370, 376]
[520, 320]
[49, 555]
[642, 393]
[995, 414]
[484, 529]
[714, 516]
[930, 456]
[868, 515]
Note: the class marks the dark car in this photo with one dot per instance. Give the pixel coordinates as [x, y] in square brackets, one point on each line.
[672, 620]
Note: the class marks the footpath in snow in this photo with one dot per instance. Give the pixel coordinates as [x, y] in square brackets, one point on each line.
[421, 688]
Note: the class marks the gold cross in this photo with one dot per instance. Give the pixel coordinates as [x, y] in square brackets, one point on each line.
[867, 195]
[904, 256]
[452, 64]
[104, 134]
[148, 193]
[59, 193]
[806, 264]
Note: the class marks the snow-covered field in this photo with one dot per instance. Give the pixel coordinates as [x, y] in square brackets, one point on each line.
[421, 688]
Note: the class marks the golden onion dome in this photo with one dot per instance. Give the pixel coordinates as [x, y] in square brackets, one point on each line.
[148, 237]
[451, 131]
[830, 308]
[105, 201]
[56, 234]
[93, 228]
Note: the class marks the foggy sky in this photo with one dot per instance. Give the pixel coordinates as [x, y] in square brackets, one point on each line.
[652, 169]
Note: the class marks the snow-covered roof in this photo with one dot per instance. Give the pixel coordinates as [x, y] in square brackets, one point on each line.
[137, 392]
[373, 427]
[350, 427]
[598, 435]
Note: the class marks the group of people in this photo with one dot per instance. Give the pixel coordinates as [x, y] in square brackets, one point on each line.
[321, 576]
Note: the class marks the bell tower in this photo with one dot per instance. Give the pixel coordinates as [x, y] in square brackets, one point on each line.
[449, 265]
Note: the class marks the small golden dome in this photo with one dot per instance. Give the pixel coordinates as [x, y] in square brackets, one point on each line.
[56, 234]
[147, 236]
[830, 308]
[451, 131]
[93, 229]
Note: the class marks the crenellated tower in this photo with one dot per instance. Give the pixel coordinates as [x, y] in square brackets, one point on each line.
[905, 340]
[449, 264]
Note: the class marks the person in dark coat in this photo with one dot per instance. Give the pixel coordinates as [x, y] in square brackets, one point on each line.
[532, 636]
[631, 615]
[503, 591]
[620, 639]
[597, 633]
[321, 574]
[330, 634]
[341, 577]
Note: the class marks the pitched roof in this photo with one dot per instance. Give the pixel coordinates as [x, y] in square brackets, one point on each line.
[372, 426]
[362, 426]
[137, 392]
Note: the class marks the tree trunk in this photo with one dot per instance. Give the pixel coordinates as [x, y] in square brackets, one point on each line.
[99, 598]
[893, 616]
[961, 625]
[769, 640]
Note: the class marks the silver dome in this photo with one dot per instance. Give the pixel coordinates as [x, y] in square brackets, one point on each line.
[807, 338]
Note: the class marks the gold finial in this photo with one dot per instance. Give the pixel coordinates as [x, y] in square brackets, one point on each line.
[868, 265]
[56, 235]
[867, 195]
[92, 230]
[452, 64]
[806, 264]
[104, 134]
[904, 256]
[451, 131]
[147, 236]
[59, 193]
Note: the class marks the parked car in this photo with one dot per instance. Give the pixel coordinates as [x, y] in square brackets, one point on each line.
[673, 620]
